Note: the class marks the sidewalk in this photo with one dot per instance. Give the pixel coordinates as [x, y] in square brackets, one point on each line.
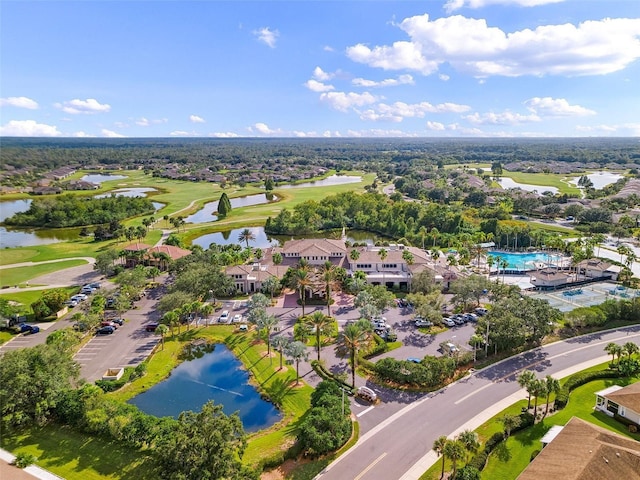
[10, 472]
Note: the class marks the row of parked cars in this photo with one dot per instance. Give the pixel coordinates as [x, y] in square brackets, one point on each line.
[453, 320]
[85, 291]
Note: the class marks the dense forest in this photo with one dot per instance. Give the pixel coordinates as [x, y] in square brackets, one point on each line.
[390, 156]
[72, 211]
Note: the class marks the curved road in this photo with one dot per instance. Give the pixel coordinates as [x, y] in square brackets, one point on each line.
[399, 446]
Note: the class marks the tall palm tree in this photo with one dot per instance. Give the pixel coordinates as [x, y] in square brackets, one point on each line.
[612, 349]
[172, 319]
[438, 447]
[301, 280]
[354, 255]
[509, 422]
[280, 344]
[297, 351]
[321, 323]
[551, 386]
[353, 338]
[246, 235]
[162, 330]
[328, 276]
[524, 380]
[469, 440]
[538, 389]
[454, 450]
[630, 348]
[267, 323]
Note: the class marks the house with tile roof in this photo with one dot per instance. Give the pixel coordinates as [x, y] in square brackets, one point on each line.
[583, 451]
[622, 403]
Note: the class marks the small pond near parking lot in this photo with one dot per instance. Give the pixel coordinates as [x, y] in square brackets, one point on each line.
[216, 375]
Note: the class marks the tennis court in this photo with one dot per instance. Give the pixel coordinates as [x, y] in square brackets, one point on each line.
[586, 295]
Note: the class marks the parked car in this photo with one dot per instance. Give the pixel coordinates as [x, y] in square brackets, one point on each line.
[87, 290]
[472, 317]
[481, 311]
[119, 321]
[224, 317]
[448, 322]
[71, 303]
[243, 328]
[421, 322]
[108, 323]
[79, 297]
[367, 394]
[106, 330]
[449, 349]
[151, 327]
[26, 328]
[95, 285]
[237, 318]
[458, 319]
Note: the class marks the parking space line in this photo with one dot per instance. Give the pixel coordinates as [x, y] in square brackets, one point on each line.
[365, 411]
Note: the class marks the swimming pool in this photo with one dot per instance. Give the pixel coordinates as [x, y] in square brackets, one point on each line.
[525, 261]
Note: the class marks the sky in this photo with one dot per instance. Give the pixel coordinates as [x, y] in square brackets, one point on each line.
[332, 68]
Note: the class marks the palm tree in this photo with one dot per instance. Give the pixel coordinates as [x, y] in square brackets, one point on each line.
[172, 319]
[509, 422]
[454, 450]
[297, 351]
[612, 349]
[280, 344]
[382, 253]
[271, 284]
[276, 258]
[301, 280]
[205, 309]
[538, 389]
[354, 255]
[321, 323]
[524, 380]
[267, 323]
[328, 275]
[162, 330]
[551, 386]
[353, 338]
[246, 235]
[490, 263]
[469, 440]
[630, 348]
[438, 447]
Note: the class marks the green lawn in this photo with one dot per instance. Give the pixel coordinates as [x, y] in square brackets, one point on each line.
[20, 275]
[509, 461]
[76, 456]
[5, 336]
[30, 296]
[544, 180]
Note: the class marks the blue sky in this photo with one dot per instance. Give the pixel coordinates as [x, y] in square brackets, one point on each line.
[446, 68]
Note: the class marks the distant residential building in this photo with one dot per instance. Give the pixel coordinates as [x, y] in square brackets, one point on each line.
[597, 268]
[622, 403]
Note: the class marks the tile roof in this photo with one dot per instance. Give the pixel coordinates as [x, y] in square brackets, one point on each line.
[174, 252]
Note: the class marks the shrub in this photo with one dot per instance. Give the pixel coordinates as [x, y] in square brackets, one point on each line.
[479, 460]
[579, 379]
[468, 472]
[493, 441]
[380, 347]
[23, 460]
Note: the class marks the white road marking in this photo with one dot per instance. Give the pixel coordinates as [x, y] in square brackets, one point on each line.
[365, 411]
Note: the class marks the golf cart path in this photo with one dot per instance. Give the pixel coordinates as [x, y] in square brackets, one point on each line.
[90, 260]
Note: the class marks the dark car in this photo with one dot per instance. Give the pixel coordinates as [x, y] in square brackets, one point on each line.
[151, 327]
[109, 323]
[117, 321]
[26, 328]
[106, 330]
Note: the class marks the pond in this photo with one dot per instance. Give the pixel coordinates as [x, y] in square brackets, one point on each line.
[132, 192]
[28, 237]
[218, 376]
[206, 213]
[325, 182]
[507, 182]
[264, 240]
[600, 179]
[98, 178]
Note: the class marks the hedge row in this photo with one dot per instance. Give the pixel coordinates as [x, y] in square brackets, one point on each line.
[579, 379]
[380, 347]
[327, 375]
[130, 374]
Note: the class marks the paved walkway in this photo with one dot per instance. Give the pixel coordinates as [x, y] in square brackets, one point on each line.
[10, 472]
[90, 260]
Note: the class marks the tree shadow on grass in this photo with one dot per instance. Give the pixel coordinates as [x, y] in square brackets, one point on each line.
[279, 388]
[502, 452]
[531, 435]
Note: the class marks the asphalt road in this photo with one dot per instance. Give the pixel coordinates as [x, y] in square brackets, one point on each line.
[393, 445]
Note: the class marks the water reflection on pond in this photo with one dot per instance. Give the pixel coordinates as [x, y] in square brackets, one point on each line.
[600, 179]
[216, 375]
[206, 213]
[507, 182]
[98, 178]
[127, 192]
[325, 182]
[264, 240]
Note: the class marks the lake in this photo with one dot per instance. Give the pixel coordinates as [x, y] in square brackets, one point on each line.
[600, 179]
[98, 178]
[325, 182]
[217, 376]
[507, 182]
[206, 213]
[264, 240]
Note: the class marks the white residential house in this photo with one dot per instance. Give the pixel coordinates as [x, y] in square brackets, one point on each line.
[621, 401]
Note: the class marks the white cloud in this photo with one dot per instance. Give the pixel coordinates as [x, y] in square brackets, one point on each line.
[503, 118]
[389, 82]
[19, 102]
[196, 119]
[470, 45]
[443, 77]
[453, 5]
[28, 128]
[267, 36]
[437, 126]
[321, 75]
[397, 111]
[342, 101]
[224, 135]
[327, 48]
[111, 134]
[143, 122]
[89, 106]
[82, 135]
[316, 86]
[182, 133]
[399, 56]
[556, 107]
[263, 129]
[623, 130]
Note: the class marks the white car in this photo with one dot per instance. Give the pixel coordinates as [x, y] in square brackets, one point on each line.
[448, 322]
[421, 322]
[237, 318]
[224, 318]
